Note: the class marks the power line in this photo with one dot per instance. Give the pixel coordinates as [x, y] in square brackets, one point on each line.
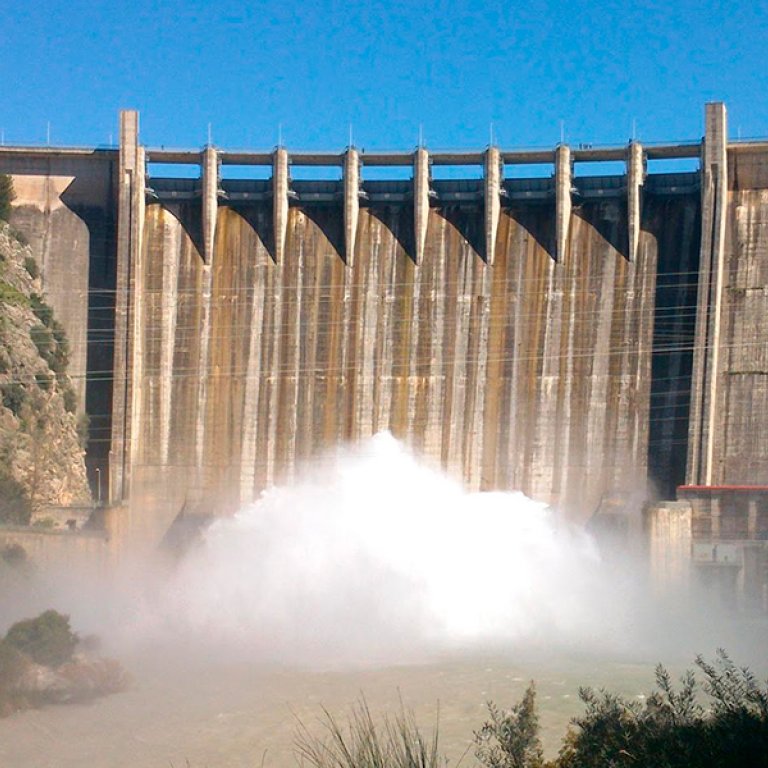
[344, 280]
[194, 371]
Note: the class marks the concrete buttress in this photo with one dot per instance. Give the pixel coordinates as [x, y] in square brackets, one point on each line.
[635, 180]
[707, 363]
[210, 200]
[492, 192]
[351, 203]
[563, 183]
[420, 201]
[130, 222]
[280, 201]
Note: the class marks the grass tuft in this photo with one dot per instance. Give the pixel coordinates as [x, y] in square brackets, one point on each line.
[396, 742]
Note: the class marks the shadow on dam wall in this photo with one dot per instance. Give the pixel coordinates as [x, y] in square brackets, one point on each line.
[528, 374]
[674, 337]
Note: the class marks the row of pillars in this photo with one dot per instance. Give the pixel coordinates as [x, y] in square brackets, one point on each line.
[493, 192]
[422, 193]
[132, 198]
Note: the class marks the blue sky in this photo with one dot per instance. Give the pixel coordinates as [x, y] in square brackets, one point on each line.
[385, 67]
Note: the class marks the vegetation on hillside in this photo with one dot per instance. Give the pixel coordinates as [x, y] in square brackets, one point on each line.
[7, 196]
[15, 506]
[41, 445]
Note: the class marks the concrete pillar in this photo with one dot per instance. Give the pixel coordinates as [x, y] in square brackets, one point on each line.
[280, 201]
[130, 222]
[714, 515]
[210, 201]
[210, 174]
[351, 202]
[563, 183]
[635, 180]
[420, 201]
[492, 192]
[669, 535]
[703, 464]
[752, 528]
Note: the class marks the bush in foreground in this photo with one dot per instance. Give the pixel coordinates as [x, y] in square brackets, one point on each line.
[720, 722]
[672, 729]
[511, 739]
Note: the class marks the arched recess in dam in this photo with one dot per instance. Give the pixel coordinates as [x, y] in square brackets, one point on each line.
[530, 374]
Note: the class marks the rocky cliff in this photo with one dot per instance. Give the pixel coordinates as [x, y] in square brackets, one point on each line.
[41, 453]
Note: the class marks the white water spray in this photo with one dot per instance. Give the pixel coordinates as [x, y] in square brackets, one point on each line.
[376, 557]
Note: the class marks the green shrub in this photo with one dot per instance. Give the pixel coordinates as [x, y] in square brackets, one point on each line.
[7, 196]
[671, 729]
[47, 639]
[60, 352]
[59, 335]
[44, 381]
[14, 395]
[15, 507]
[511, 739]
[31, 266]
[43, 340]
[50, 339]
[19, 235]
[70, 401]
[11, 295]
[42, 310]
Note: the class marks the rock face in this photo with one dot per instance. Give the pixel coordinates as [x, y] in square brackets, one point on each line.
[41, 454]
[81, 679]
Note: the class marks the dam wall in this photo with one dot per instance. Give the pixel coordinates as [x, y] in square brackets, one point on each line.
[533, 374]
[552, 334]
[49, 551]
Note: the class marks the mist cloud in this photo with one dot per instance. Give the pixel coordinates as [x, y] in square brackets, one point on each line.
[374, 556]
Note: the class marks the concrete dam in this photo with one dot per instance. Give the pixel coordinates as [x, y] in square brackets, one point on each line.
[587, 339]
